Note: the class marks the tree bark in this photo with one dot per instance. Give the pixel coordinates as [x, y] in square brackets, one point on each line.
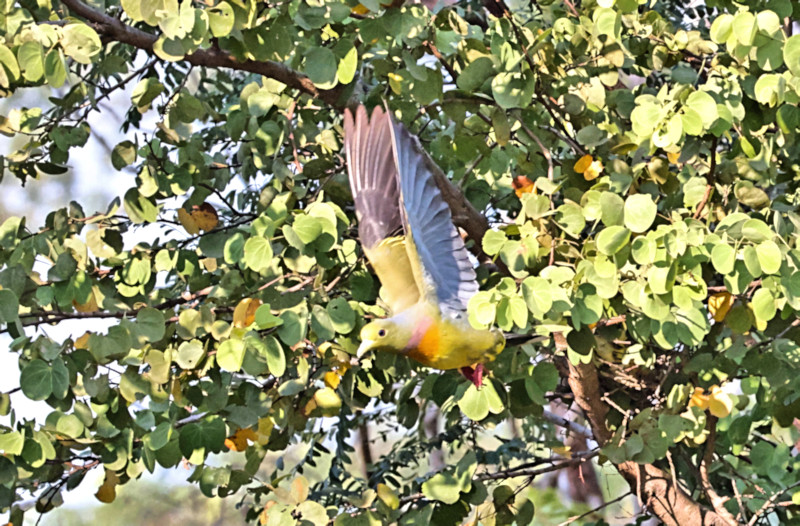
[662, 497]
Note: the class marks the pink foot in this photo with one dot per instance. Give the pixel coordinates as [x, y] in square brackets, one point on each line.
[474, 375]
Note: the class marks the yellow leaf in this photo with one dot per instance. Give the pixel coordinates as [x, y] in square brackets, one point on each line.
[210, 264]
[332, 379]
[89, 306]
[205, 217]
[238, 441]
[299, 489]
[326, 400]
[593, 171]
[83, 341]
[720, 403]
[263, 517]
[245, 312]
[719, 304]
[583, 163]
[523, 185]
[673, 157]
[699, 399]
[360, 9]
[388, 496]
[265, 426]
[188, 222]
[107, 491]
[396, 83]
[177, 391]
[564, 451]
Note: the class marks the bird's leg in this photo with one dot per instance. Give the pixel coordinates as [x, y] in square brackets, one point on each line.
[474, 375]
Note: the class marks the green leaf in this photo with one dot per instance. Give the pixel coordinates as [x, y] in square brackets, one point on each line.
[276, 359]
[764, 304]
[9, 68]
[643, 250]
[221, 19]
[321, 324]
[493, 241]
[55, 71]
[342, 315]
[744, 27]
[265, 319]
[611, 239]
[37, 380]
[513, 90]
[770, 257]
[791, 54]
[723, 257]
[348, 65]
[189, 354]
[640, 212]
[756, 231]
[150, 323]
[612, 207]
[12, 442]
[721, 28]
[321, 68]
[230, 355]
[475, 74]
[123, 154]
[31, 60]
[257, 253]
[769, 89]
[474, 404]
[307, 228]
[705, 106]
[80, 42]
[9, 306]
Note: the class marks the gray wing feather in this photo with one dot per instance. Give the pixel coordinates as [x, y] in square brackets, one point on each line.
[441, 250]
[373, 174]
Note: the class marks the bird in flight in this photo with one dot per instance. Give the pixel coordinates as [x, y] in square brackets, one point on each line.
[407, 233]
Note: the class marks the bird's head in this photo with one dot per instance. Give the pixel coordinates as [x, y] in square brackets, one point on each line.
[383, 335]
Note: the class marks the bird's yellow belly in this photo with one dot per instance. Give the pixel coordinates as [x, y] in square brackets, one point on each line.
[445, 345]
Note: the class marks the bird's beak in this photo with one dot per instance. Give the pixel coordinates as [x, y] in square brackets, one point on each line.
[365, 346]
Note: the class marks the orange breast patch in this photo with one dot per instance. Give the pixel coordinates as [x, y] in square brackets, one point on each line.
[428, 348]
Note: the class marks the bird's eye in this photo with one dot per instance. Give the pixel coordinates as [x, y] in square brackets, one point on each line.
[382, 333]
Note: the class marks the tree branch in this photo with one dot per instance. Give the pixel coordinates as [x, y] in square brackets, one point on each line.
[116, 30]
[657, 491]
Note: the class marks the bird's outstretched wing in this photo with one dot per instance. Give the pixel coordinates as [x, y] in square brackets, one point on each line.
[436, 251]
[376, 192]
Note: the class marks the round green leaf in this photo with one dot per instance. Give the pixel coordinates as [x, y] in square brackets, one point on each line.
[612, 239]
[640, 212]
[756, 230]
[721, 28]
[189, 354]
[745, 28]
[723, 257]
[276, 359]
[230, 355]
[513, 90]
[770, 257]
[791, 54]
[80, 42]
[257, 253]
[36, 380]
[764, 304]
[150, 323]
[320, 66]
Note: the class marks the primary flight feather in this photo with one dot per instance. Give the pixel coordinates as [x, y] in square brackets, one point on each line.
[408, 236]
